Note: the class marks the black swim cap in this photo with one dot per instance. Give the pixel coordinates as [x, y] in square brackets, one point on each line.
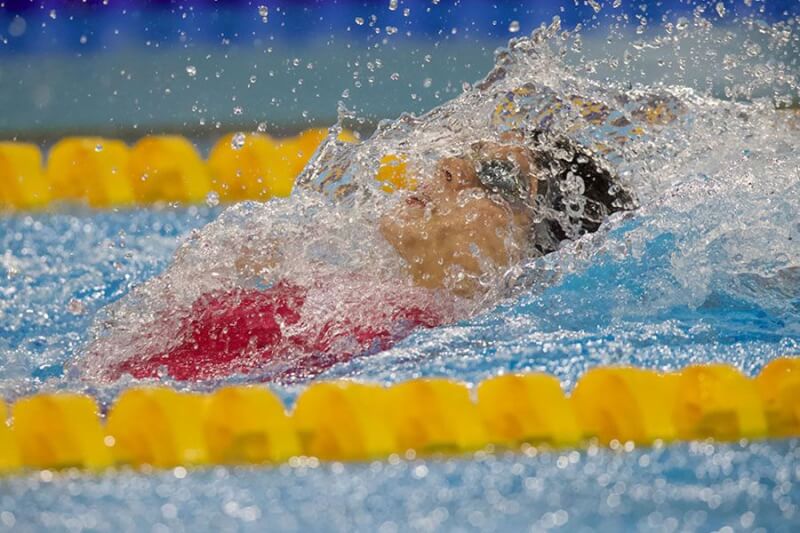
[576, 191]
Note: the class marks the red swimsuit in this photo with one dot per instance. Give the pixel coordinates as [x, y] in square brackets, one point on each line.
[243, 330]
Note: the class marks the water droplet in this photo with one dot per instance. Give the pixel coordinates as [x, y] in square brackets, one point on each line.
[75, 307]
[17, 26]
[83, 39]
[238, 110]
[263, 12]
[53, 14]
[212, 199]
[253, 79]
[238, 140]
[191, 70]
[360, 21]
[514, 26]
[98, 147]
[392, 5]
[752, 49]
[720, 7]
[395, 76]
[427, 82]
[594, 5]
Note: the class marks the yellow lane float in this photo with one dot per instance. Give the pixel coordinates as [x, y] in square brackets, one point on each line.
[297, 151]
[255, 166]
[90, 169]
[435, 415]
[59, 431]
[9, 450]
[248, 425]
[779, 387]
[393, 173]
[158, 168]
[527, 408]
[348, 421]
[716, 401]
[624, 404]
[344, 421]
[158, 427]
[22, 181]
[167, 168]
[248, 166]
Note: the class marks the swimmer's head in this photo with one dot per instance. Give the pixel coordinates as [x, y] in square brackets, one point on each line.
[500, 201]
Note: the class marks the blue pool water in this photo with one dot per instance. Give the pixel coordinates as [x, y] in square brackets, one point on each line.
[696, 487]
[59, 269]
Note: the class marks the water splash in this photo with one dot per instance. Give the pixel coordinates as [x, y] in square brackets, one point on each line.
[716, 180]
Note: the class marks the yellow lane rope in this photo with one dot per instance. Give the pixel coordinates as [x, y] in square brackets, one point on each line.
[160, 168]
[349, 421]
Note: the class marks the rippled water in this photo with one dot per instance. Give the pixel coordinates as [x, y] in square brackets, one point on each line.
[696, 487]
[707, 269]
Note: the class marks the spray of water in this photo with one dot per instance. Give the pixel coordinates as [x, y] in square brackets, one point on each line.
[719, 179]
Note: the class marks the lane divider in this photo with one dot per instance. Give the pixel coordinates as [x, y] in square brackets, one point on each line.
[22, 182]
[159, 168]
[349, 421]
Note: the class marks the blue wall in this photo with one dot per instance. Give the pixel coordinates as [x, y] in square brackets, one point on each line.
[58, 26]
[122, 69]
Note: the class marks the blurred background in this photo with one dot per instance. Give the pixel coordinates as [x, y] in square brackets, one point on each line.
[125, 68]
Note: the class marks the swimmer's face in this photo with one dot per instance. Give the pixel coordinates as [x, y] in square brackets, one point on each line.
[469, 219]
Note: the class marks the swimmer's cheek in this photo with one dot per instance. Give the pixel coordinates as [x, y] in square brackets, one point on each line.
[447, 249]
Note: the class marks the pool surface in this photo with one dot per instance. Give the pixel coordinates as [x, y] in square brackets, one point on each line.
[707, 269]
[61, 268]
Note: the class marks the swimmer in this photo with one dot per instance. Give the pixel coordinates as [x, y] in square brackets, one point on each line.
[477, 215]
